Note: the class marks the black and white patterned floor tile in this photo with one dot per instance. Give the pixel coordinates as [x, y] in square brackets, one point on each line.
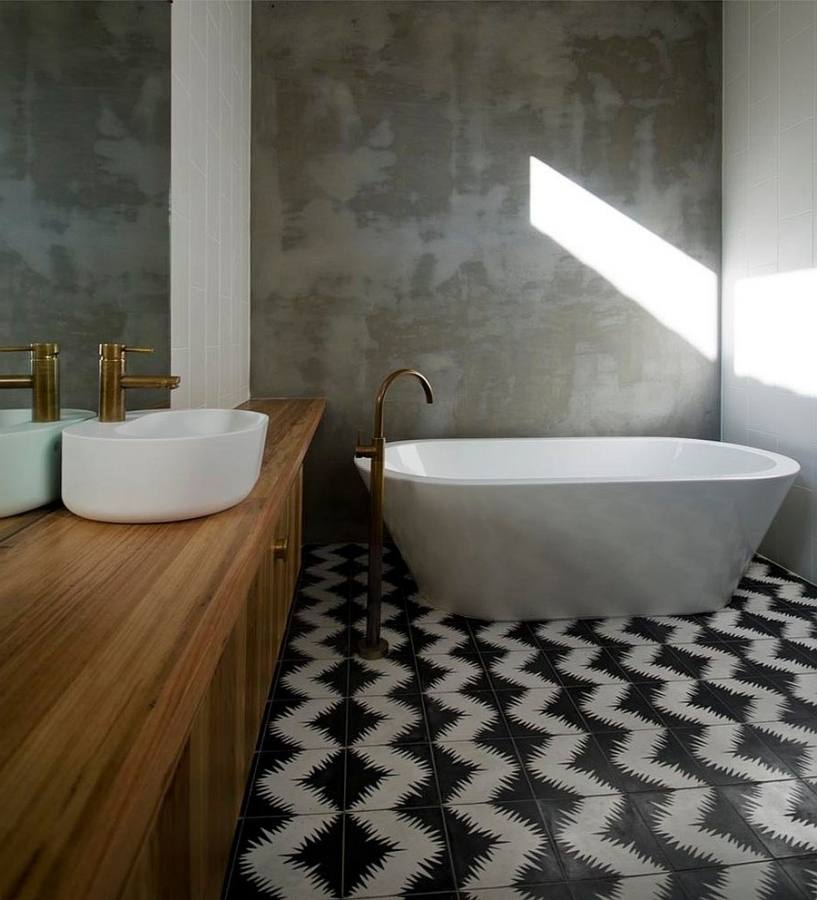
[640, 758]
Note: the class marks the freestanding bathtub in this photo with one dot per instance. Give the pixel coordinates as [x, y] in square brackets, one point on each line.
[540, 528]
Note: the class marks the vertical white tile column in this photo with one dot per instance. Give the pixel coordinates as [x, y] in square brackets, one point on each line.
[210, 215]
[770, 252]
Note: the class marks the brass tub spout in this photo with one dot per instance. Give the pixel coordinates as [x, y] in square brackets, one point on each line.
[372, 645]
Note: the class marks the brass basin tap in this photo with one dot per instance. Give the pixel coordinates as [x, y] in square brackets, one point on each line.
[113, 382]
[43, 380]
[372, 645]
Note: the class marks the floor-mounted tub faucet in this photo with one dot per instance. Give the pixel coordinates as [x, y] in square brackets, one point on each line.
[372, 645]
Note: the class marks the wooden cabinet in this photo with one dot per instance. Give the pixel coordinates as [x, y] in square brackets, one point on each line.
[187, 849]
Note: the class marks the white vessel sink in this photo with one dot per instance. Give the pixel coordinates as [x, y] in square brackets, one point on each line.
[30, 458]
[162, 466]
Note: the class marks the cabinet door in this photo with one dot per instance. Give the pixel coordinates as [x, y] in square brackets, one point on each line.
[186, 853]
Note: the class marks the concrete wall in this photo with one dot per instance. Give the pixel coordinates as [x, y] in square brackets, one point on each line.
[210, 202]
[84, 185]
[391, 219]
[770, 252]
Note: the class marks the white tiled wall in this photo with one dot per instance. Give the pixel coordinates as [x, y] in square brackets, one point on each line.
[210, 211]
[770, 229]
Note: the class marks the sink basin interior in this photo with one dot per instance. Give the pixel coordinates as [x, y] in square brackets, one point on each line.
[185, 423]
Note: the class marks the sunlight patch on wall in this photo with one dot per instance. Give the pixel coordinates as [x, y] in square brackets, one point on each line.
[774, 327]
[675, 289]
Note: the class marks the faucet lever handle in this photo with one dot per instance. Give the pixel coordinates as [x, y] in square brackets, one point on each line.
[23, 348]
[127, 349]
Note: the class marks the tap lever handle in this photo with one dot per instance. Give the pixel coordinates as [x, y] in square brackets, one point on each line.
[127, 349]
[37, 349]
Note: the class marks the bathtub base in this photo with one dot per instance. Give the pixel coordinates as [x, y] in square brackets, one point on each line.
[580, 551]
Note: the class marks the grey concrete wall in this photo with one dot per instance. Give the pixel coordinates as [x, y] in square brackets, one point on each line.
[84, 185]
[390, 218]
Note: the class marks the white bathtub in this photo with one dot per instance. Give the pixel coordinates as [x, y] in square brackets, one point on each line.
[542, 528]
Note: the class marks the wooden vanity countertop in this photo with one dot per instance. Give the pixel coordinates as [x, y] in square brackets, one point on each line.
[109, 637]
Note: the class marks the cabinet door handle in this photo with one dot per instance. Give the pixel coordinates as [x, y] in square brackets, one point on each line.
[280, 548]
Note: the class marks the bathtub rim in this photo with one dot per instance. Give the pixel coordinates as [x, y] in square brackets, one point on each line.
[784, 466]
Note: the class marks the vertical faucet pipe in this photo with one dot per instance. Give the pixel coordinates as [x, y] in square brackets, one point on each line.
[373, 645]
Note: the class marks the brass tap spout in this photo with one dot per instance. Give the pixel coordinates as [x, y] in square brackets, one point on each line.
[372, 645]
[44, 380]
[113, 382]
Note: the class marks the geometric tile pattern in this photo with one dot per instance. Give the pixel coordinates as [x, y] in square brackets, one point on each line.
[640, 758]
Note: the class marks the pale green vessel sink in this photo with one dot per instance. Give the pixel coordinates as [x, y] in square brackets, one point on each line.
[30, 458]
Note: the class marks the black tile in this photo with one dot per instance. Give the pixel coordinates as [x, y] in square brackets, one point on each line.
[783, 815]
[566, 766]
[760, 881]
[684, 703]
[464, 717]
[436, 632]
[299, 782]
[732, 754]
[443, 673]
[623, 632]
[666, 886]
[504, 636]
[500, 844]
[387, 677]
[699, 827]
[540, 712]
[390, 777]
[600, 837]
[650, 663]
[515, 670]
[316, 678]
[293, 856]
[615, 707]
[795, 743]
[396, 852]
[386, 720]
[480, 771]
[304, 724]
[649, 760]
[578, 667]
[802, 870]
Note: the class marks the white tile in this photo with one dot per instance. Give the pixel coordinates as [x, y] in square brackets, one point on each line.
[198, 234]
[735, 40]
[179, 281]
[210, 199]
[763, 139]
[736, 115]
[796, 242]
[795, 15]
[796, 169]
[180, 365]
[761, 8]
[198, 23]
[763, 56]
[794, 531]
[797, 79]
[180, 40]
[212, 334]
[763, 224]
[736, 191]
[179, 142]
